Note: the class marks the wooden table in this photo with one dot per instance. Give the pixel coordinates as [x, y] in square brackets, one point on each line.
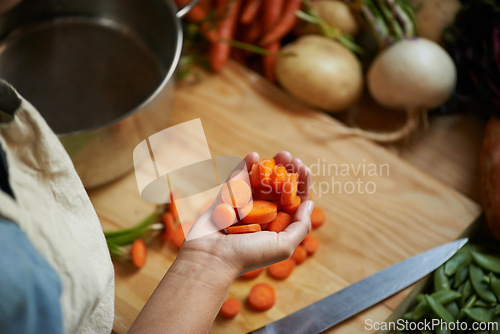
[410, 212]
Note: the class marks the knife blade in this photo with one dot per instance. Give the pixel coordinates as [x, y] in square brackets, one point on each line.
[357, 297]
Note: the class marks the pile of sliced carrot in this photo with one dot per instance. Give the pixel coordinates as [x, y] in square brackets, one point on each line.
[253, 22]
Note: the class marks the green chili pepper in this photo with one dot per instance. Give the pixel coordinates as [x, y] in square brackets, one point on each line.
[443, 297]
[486, 261]
[479, 314]
[439, 310]
[481, 288]
[495, 285]
[453, 309]
[461, 258]
[461, 276]
[440, 280]
[466, 292]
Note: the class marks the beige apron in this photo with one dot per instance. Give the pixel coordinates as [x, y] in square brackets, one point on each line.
[53, 209]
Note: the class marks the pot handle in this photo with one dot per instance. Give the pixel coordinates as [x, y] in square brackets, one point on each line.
[184, 10]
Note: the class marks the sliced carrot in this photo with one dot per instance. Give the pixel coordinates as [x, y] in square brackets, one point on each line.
[280, 223]
[269, 61]
[262, 297]
[299, 254]
[244, 211]
[284, 24]
[178, 237]
[240, 229]
[278, 177]
[264, 227]
[220, 50]
[252, 274]
[289, 189]
[292, 208]
[262, 212]
[169, 226]
[236, 192]
[281, 270]
[255, 176]
[230, 308]
[266, 168]
[306, 237]
[250, 11]
[224, 215]
[317, 217]
[138, 253]
[266, 194]
[311, 245]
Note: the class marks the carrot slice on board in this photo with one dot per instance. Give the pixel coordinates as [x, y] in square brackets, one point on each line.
[299, 254]
[266, 168]
[262, 297]
[289, 189]
[280, 223]
[236, 192]
[317, 217]
[281, 270]
[169, 226]
[262, 212]
[138, 253]
[311, 245]
[230, 308]
[291, 209]
[239, 229]
[224, 215]
[252, 274]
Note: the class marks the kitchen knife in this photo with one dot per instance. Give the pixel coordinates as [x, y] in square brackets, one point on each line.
[357, 297]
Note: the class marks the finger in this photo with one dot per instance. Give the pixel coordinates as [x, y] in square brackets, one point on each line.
[297, 231]
[304, 183]
[251, 158]
[283, 158]
[294, 165]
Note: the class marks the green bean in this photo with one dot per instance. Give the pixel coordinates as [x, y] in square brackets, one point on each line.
[443, 297]
[453, 309]
[495, 285]
[486, 261]
[466, 292]
[479, 314]
[440, 280]
[470, 302]
[461, 258]
[482, 303]
[482, 289]
[439, 310]
[461, 276]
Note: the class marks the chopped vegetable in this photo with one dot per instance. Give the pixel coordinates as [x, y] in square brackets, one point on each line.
[299, 254]
[224, 215]
[262, 212]
[169, 226]
[311, 245]
[262, 297]
[238, 229]
[292, 208]
[252, 274]
[281, 270]
[317, 217]
[230, 308]
[236, 192]
[280, 223]
[138, 253]
[178, 237]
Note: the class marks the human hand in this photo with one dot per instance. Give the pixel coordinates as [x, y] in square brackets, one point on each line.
[236, 254]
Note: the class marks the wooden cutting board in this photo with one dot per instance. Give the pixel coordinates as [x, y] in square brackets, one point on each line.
[380, 210]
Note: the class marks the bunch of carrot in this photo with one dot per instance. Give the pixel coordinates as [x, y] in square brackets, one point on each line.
[241, 23]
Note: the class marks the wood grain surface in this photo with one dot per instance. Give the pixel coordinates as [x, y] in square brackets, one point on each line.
[407, 213]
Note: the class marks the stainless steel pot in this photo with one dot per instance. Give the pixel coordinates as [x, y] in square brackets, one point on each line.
[99, 71]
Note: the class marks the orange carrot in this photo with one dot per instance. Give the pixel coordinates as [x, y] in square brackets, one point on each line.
[239, 229]
[269, 61]
[284, 25]
[280, 223]
[289, 190]
[306, 237]
[292, 208]
[255, 176]
[266, 194]
[220, 50]
[317, 217]
[281, 270]
[278, 177]
[252, 32]
[178, 237]
[272, 13]
[262, 212]
[172, 208]
[252, 274]
[169, 226]
[138, 253]
[236, 192]
[299, 254]
[250, 11]
[266, 168]
[262, 297]
[230, 308]
[311, 245]
[224, 215]
[264, 227]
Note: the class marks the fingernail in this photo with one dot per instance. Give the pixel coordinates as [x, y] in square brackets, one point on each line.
[310, 207]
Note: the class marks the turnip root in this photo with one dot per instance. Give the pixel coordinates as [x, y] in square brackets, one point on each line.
[320, 72]
[333, 12]
[412, 75]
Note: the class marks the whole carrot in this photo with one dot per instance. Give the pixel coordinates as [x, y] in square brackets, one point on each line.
[221, 50]
[272, 13]
[284, 25]
[250, 11]
[269, 61]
